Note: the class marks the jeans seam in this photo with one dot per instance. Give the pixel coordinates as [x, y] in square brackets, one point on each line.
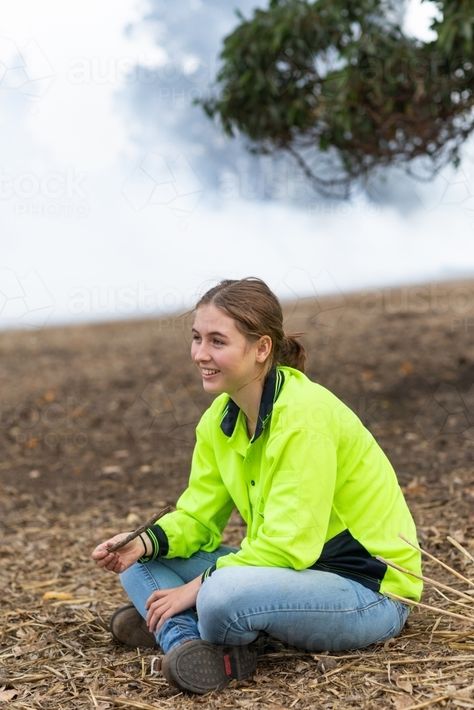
[150, 577]
[232, 625]
[403, 612]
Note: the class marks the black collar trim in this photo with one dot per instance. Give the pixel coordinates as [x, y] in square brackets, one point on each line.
[271, 389]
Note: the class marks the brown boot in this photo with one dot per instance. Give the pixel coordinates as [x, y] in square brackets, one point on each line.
[128, 627]
[199, 666]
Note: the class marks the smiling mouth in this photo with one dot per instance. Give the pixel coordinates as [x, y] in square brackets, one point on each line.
[208, 373]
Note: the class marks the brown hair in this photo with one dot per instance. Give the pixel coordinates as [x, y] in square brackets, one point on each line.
[256, 312]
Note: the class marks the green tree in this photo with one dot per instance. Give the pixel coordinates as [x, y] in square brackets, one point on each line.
[338, 79]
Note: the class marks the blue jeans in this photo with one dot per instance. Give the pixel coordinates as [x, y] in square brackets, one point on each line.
[309, 609]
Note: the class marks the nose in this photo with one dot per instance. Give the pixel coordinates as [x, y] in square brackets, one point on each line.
[200, 353]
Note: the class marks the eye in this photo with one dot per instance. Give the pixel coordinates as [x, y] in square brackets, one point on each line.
[195, 337]
[216, 341]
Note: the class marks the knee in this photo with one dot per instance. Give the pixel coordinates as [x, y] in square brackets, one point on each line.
[212, 598]
[217, 602]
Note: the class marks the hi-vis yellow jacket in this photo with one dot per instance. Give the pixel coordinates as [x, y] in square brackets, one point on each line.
[313, 486]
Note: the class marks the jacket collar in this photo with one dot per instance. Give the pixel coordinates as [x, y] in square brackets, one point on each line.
[271, 389]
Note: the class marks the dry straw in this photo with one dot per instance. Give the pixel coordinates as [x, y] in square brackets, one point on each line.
[57, 650]
[466, 617]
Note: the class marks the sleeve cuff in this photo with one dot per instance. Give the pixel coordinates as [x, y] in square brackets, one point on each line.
[159, 542]
[207, 573]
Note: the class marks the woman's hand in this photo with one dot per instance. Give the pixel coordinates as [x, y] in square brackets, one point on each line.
[165, 603]
[122, 559]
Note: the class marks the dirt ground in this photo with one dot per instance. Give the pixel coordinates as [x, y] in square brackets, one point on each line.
[97, 426]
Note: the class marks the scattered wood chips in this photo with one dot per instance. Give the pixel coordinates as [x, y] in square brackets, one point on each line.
[97, 427]
[56, 651]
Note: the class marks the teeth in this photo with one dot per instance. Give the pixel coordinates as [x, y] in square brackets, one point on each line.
[209, 372]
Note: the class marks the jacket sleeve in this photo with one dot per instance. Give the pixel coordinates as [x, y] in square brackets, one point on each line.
[202, 511]
[297, 507]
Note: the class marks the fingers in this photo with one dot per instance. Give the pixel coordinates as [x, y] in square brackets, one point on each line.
[160, 608]
[155, 608]
[109, 561]
[163, 618]
[158, 613]
[100, 551]
[164, 603]
[112, 561]
[157, 594]
[114, 564]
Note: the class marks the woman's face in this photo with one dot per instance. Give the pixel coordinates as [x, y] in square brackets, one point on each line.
[226, 359]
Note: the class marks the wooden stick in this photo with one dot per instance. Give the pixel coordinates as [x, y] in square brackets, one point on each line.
[117, 545]
[432, 557]
[460, 547]
[428, 702]
[455, 601]
[425, 579]
[412, 602]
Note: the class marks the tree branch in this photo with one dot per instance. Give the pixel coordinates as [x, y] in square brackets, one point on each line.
[117, 545]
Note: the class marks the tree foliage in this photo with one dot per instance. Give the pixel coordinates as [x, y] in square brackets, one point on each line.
[341, 77]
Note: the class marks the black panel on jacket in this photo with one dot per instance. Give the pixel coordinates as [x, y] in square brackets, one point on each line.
[344, 555]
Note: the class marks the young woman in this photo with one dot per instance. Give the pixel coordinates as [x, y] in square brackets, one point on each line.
[319, 497]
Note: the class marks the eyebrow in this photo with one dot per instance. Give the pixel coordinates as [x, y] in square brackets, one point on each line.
[214, 332]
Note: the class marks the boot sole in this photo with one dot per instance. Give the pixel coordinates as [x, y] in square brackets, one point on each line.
[199, 666]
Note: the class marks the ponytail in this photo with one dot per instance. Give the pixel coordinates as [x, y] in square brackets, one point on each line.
[292, 352]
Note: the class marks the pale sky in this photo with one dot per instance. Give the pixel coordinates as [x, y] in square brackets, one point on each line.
[98, 225]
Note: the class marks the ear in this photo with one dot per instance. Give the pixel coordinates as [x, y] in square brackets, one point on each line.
[264, 348]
